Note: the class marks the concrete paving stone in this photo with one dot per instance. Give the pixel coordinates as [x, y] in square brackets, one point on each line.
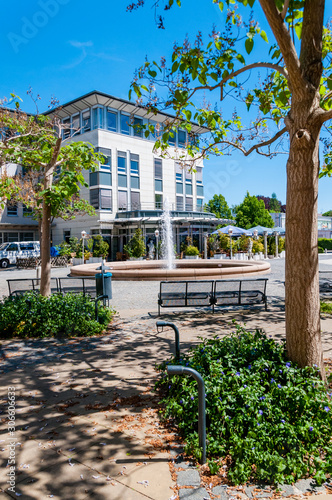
[251, 491]
[63, 481]
[221, 492]
[194, 494]
[188, 477]
[30, 457]
[288, 490]
[116, 491]
[308, 486]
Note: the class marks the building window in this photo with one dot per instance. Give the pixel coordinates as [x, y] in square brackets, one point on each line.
[107, 156]
[189, 189]
[158, 198]
[101, 199]
[199, 204]
[182, 138]
[200, 190]
[188, 176]
[27, 211]
[125, 124]
[122, 162]
[66, 128]
[135, 200]
[172, 138]
[122, 180]
[66, 236]
[179, 203]
[26, 237]
[111, 120]
[8, 237]
[12, 210]
[179, 188]
[189, 204]
[134, 182]
[98, 117]
[122, 200]
[158, 185]
[134, 164]
[97, 178]
[178, 173]
[199, 175]
[138, 127]
[75, 125]
[86, 121]
[105, 199]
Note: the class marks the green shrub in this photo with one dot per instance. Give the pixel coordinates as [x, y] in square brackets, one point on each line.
[326, 307]
[325, 243]
[320, 250]
[271, 419]
[191, 250]
[257, 246]
[31, 315]
[100, 246]
[136, 246]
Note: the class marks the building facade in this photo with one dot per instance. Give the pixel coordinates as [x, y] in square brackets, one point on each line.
[130, 189]
[324, 224]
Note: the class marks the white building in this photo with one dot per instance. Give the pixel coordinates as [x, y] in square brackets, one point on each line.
[130, 188]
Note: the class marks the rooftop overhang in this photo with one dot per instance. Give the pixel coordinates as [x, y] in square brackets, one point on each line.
[94, 98]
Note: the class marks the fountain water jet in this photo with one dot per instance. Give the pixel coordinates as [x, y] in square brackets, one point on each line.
[167, 248]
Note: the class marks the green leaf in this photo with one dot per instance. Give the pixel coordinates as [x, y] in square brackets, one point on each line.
[264, 36]
[221, 6]
[249, 44]
[152, 73]
[298, 30]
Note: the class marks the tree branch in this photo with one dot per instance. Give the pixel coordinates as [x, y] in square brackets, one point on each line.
[256, 147]
[249, 67]
[283, 38]
[285, 9]
[324, 116]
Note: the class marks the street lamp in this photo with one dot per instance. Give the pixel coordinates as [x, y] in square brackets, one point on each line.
[156, 233]
[84, 234]
[230, 232]
[265, 244]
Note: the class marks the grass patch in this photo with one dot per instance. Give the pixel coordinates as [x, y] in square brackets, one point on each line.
[267, 418]
[32, 315]
[326, 307]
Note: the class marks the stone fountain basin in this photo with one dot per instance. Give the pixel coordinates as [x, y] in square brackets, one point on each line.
[155, 270]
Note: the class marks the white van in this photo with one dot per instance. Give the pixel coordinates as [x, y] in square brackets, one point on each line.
[10, 251]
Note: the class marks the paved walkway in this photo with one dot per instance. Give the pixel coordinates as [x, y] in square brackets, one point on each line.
[87, 418]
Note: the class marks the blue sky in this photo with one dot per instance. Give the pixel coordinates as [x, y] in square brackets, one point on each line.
[65, 48]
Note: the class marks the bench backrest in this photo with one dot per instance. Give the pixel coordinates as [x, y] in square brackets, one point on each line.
[20, 286]
[87, 286]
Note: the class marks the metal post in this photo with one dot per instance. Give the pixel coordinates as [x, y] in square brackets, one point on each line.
[265, 244]
[231, 245]
[277, 244]
[205, 245]
[177, 335]
[156, 233]
[182, 370]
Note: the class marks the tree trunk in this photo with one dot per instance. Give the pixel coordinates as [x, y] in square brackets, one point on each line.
[303, 335]
[45, 282]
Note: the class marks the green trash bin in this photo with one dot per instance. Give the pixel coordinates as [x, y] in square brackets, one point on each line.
[104, 284]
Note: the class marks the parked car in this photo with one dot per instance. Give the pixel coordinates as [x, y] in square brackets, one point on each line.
[10, 251]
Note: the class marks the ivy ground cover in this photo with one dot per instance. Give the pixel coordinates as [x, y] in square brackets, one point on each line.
[270, 419]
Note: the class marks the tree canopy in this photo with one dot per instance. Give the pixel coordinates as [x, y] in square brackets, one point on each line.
[252, 212]
[272, 204]
[51, 175]
[287, 90]
[218, 206]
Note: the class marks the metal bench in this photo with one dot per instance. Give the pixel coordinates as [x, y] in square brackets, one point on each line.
[325, 284]
[212, 293]
[21, 286]
[240, 292]
[185, 294]
[87, 286]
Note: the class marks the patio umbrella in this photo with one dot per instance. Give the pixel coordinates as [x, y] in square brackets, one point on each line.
[280, 230]
[261, 229]
[236, 231]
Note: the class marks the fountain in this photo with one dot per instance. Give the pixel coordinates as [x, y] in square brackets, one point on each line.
[167, 248]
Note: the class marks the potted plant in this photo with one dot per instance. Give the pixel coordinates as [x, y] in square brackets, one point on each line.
[100, 249]
[191, 252]
[135, 249]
